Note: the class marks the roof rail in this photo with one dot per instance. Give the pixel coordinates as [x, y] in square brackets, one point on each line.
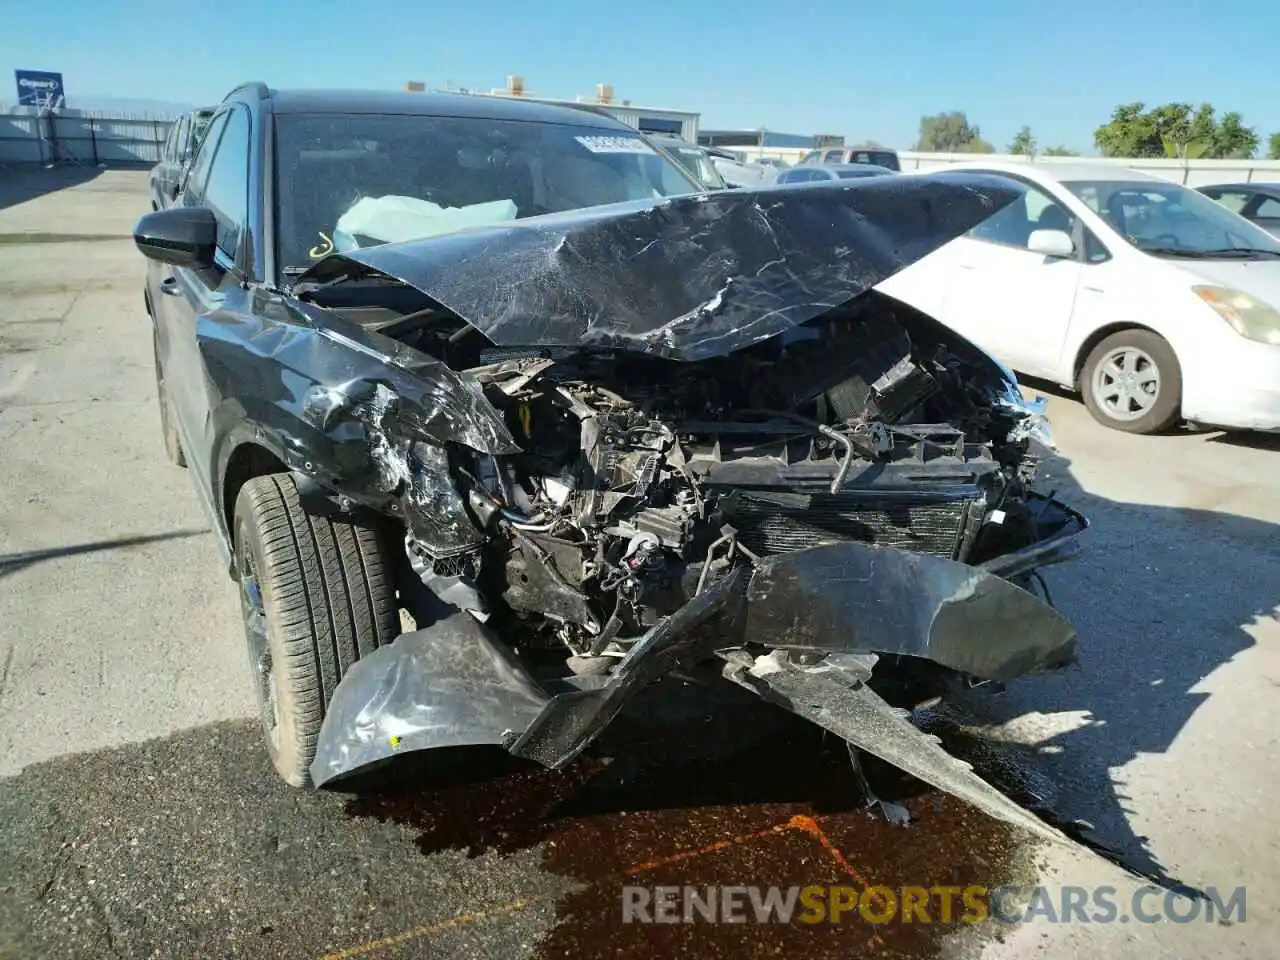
[257, 86]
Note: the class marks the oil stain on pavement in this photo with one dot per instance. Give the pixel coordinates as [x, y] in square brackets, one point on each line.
[189, 846]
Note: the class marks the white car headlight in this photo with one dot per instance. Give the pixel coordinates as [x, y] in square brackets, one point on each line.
[1248, 316]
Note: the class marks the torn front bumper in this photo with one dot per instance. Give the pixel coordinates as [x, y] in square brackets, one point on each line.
[455, 684]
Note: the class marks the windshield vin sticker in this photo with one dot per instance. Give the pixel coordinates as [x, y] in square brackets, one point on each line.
[615, 144]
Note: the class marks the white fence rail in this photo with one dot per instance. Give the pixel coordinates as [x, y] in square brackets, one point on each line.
[1193, 173]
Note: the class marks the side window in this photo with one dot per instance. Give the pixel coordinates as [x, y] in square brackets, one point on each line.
[1269, 209]
[166, 151]
[1095, 251]
[200, 166]
[226, 190]
[1233, 200]
[1089, 197]
[1012, 226]
[832, 156]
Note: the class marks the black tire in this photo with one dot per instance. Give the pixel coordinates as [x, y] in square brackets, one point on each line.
[326, 592]
[1161, 414]
[168, 426]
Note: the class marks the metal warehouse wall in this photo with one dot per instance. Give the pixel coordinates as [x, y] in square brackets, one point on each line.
[80, 136]
[633, 117]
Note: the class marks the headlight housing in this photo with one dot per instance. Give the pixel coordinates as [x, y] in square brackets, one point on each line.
[1248, 316]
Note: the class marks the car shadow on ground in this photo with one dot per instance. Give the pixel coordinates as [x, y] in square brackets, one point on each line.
[1162, 598]
[11, 563]
[1254, 441]
[1150, 632]
[20, 182]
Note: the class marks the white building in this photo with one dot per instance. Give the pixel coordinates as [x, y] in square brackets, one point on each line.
[680, 123]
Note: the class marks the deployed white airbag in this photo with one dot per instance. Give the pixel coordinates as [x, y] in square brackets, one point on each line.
[392, 218]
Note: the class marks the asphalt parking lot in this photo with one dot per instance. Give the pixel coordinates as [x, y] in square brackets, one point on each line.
[139, 816]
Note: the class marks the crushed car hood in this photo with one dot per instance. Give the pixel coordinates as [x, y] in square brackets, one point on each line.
[683, 277]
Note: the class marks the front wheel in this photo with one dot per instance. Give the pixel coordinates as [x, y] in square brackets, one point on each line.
[1131, 381]
[317, 593]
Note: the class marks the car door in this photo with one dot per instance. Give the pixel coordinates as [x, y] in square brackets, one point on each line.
[219, 180]
[1015, 303]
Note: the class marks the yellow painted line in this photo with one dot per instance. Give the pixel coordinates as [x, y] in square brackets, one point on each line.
[430, 930]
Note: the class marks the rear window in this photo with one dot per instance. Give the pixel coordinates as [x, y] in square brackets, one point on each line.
[879, 158]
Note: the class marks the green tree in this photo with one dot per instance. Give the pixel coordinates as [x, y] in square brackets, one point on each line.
[1060, 152]
[1273, 147]
[1127, 134]
[1233, 140]
[1023, 143]
[950, 132]
[1174, 130]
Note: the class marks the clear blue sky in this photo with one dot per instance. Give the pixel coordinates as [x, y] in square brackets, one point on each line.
[831, 66]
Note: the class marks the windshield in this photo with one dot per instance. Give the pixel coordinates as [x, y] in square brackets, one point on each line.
[1167, 219]
[698, 163]
[880, 158]
[347, 181]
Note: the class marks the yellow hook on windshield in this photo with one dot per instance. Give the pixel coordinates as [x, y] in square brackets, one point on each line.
[321, 249]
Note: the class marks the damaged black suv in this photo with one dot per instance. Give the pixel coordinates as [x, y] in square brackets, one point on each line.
[505, 370]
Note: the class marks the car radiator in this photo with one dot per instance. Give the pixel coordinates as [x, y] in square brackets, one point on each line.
[780, 523]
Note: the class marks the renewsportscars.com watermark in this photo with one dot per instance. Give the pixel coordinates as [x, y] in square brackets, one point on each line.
[941, 904]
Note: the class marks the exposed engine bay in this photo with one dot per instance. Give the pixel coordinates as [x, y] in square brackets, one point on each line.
[640, 478]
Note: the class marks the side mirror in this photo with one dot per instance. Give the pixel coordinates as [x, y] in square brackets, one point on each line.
[181, 236]
[1052, 243]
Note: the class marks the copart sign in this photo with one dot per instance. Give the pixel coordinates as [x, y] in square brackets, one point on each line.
[39, 88]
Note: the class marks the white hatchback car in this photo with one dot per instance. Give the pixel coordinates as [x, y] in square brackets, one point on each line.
[1150, 299]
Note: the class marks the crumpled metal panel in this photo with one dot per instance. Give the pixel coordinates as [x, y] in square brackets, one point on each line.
[684, 277]
[341, 408]
[299, 361]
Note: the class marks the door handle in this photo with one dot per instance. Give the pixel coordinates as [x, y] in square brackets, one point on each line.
[169, 285]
